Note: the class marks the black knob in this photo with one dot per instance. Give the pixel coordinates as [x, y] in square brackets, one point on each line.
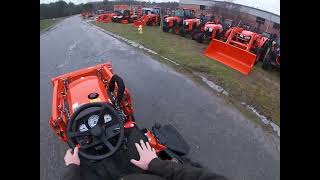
[93, 95]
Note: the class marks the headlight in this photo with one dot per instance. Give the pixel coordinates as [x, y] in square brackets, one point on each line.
[241, 35]
[186, 23]
[167, 20]
[247, 37]
[210, 29]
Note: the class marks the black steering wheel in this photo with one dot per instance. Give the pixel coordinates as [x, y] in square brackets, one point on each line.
[101, 133]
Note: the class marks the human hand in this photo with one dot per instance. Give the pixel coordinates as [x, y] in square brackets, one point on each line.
[146, 153]
[70, 158]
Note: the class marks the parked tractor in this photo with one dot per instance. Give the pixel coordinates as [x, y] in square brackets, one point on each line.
[152, 18]
[106, 18]
[190, 26]
[86, 15]
[272, 57]
[211, 30]
[214, 28]
[227, 25]
[175, 22]
[124, 17]
[242, 50]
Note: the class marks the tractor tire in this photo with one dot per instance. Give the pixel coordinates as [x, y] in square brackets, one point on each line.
[149, 23]
[165, 29]
[193, 34]
[266, 63]
[199, 37]
[173, 31]
[182, 32]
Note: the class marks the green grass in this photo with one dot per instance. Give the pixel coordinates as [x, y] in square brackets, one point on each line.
[45, 23]
[261, 88]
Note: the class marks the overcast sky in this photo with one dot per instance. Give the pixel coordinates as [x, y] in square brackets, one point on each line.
[267, 5]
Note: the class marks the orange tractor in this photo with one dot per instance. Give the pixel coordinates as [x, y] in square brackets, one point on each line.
[124, 17]
[151, 17]
[196, 26]
[242, 50]
[190, 26]
[86, 15]
[213, 30]
[106, 18]
[175, 22]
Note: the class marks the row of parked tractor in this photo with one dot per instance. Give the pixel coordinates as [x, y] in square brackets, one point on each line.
[234, 45]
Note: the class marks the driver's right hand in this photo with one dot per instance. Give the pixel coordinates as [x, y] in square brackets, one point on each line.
[146, 153]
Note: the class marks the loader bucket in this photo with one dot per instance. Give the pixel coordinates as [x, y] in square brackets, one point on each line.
[137, 23]
[232, 56]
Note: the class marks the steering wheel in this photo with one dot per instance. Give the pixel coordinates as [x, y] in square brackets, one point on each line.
[101, 133]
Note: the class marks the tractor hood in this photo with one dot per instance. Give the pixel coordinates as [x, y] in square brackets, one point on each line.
[192, 20]
[80, 89]
[172, 18]
[247, 33]
[212, 25]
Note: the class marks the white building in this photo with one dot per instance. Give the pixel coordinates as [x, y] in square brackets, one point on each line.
[270, 21]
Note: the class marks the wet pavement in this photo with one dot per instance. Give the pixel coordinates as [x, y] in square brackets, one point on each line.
[220, 137]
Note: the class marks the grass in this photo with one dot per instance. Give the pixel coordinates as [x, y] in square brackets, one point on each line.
[45, 23]
[261, 89]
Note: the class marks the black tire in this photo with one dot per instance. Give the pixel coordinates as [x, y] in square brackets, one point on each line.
[200, 38]
[258, 58]
[193, 34]
[182, 32]
[165, 29]
[266, 63]
[149, 23]
[173, 30]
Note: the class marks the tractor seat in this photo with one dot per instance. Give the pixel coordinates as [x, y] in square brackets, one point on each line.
[170, 137]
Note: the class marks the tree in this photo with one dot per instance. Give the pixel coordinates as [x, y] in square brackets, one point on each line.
[59, 9]
[227, 9]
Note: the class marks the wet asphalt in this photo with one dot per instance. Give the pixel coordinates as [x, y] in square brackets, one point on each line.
[220, 137]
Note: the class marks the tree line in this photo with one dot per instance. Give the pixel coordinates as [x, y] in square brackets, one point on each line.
[62, 8]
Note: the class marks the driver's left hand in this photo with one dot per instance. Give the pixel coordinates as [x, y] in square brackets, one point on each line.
[72, 158]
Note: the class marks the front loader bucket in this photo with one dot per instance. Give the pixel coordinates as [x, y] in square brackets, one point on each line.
[137, 23]
[232, 56]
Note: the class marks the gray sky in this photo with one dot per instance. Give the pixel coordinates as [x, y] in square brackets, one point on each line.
[267, 5]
